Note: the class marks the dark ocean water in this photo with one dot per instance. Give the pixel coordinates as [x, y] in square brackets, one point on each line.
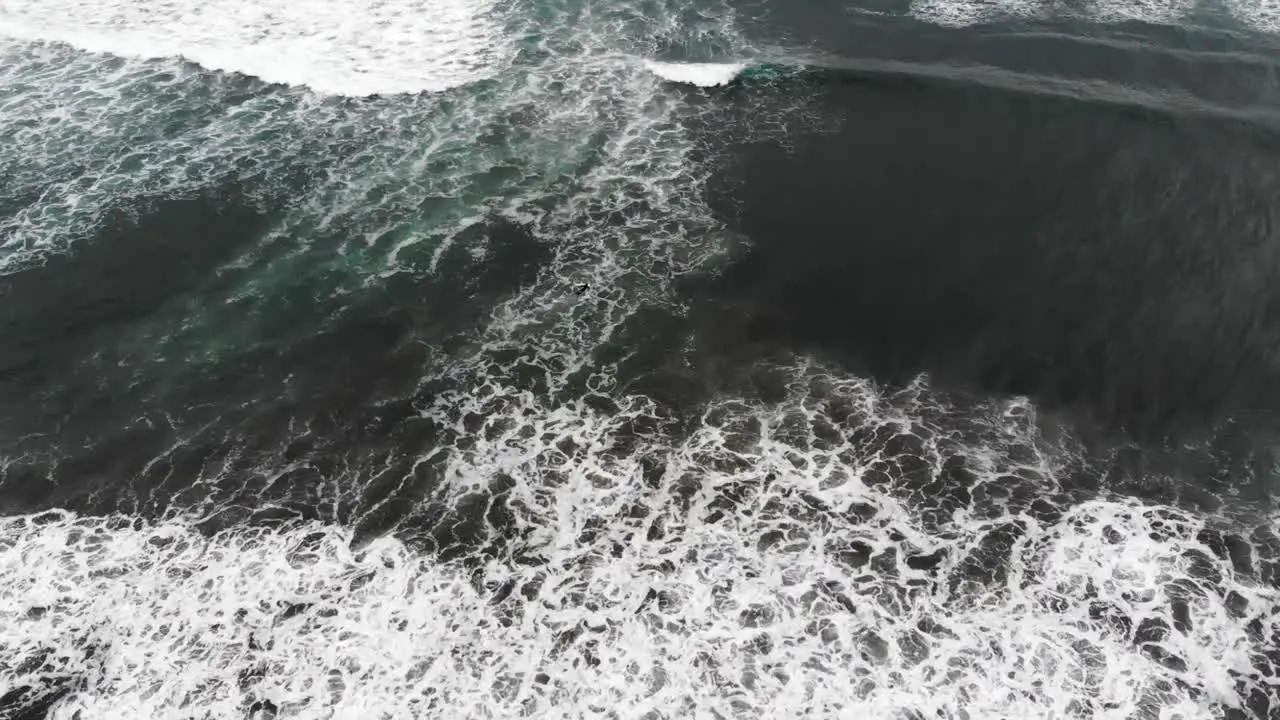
[463, 362]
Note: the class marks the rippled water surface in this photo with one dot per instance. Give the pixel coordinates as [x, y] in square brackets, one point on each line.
[742, 359]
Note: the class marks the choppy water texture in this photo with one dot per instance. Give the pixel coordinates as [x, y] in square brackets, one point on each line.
[639, 360]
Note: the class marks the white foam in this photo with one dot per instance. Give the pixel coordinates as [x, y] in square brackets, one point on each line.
[961, 13]
[329, 46]
[1156, 12]
[642, 602]
[1260, 15]
[702, 74]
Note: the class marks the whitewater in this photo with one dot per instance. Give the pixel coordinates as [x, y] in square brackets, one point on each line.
[390, 47]
[819, 546]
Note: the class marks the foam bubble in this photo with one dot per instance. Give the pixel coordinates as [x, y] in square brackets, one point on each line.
[387, 47]
[700, 74]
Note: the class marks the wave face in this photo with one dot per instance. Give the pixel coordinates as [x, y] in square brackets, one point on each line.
[723, 359]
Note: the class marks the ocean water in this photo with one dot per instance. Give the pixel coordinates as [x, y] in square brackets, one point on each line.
[719, 359]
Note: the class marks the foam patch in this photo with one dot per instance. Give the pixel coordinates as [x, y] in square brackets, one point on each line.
[387, 47]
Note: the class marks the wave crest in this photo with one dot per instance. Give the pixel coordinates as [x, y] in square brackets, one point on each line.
[386, 48]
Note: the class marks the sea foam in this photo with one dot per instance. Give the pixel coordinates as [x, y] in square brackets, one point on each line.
[325, 45]
[701, 74]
